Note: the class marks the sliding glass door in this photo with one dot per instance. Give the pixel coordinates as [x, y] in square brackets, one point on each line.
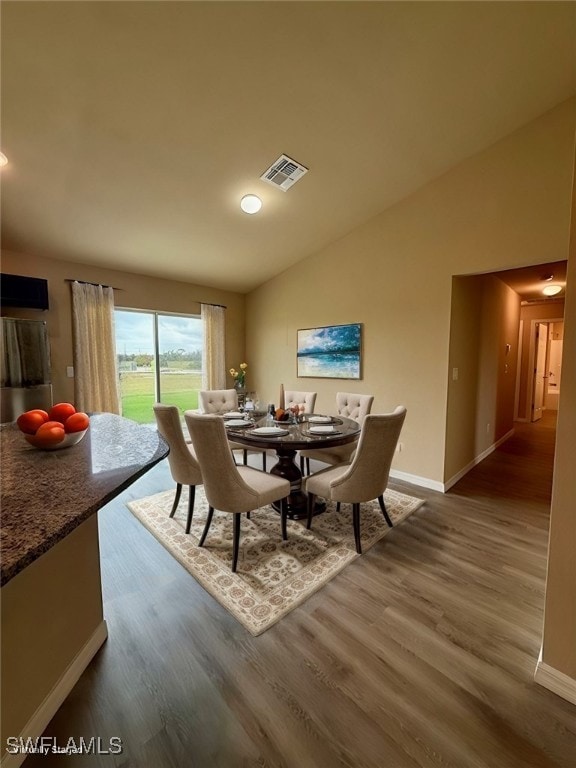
[159, 360]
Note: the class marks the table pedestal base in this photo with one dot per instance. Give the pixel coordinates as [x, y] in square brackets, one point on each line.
[287, 468]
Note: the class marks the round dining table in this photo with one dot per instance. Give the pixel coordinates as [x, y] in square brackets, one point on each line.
[311, 431]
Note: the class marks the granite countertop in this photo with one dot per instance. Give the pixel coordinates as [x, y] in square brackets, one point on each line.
[45, 495]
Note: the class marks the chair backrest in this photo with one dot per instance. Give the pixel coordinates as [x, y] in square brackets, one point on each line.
[353, 406]
[225, 489]
[183, 466]
[367, 476]
[292, 397]
[218, 400]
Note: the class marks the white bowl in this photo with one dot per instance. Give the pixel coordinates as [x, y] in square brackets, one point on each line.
[72, 438]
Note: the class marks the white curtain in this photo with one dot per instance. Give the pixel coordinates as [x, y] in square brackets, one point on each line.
[96, 378]
[213, 354]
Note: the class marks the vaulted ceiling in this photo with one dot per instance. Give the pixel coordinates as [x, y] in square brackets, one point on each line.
[133, 129]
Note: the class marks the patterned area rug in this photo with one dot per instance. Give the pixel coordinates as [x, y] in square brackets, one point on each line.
[273, 576]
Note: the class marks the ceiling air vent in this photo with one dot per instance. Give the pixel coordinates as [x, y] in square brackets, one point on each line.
[284, 173]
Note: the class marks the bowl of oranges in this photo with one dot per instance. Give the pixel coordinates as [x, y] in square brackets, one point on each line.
[59, 427]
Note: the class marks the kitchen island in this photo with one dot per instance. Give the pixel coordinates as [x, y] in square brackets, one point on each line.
[52, 615]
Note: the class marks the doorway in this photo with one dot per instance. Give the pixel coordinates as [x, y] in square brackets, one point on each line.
[545, 367]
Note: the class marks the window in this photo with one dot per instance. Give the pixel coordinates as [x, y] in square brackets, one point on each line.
[159, 360]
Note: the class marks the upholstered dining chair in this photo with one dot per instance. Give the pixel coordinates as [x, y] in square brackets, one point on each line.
[184, 467]
[307, 399]
[223, 401]
[366, 477]
[228, 487]
[350, 406]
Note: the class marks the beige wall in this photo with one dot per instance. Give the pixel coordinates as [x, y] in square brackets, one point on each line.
[137, 292]
[528, 314]
[484, 319]
[559, 646]
[503, 208]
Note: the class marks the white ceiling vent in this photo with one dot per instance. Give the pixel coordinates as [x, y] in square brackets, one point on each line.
[284, 173]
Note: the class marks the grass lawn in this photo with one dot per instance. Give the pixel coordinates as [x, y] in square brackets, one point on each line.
[137, 393]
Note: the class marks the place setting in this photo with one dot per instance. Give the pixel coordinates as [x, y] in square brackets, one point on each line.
[269, 432]
[325, 426]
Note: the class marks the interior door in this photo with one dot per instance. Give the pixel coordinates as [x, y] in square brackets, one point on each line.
[540, 370]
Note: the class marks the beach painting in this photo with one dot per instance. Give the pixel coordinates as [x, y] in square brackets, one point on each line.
[330, 352]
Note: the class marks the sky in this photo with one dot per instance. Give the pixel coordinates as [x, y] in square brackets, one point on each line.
[135, 333]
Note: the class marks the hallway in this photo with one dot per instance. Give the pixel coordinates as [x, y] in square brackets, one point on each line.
[520, 470]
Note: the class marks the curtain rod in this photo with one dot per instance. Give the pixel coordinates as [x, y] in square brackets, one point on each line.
[208, 304]
[87, 282]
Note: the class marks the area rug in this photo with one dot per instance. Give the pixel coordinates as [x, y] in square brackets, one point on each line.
[273, 576]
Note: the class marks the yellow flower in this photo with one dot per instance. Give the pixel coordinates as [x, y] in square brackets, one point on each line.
[232, 372]
[243, 366]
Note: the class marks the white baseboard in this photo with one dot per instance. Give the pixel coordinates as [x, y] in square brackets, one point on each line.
[35, 727]
[454, 479]
[424, 482]
[555, 681]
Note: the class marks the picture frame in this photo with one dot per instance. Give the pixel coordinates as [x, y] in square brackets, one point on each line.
[330, 352]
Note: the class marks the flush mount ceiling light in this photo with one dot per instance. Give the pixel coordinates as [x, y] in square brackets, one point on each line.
[3, 159]
[250, 204]
[551, 290]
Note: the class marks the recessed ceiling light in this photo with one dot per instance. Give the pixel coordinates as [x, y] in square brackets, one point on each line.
[250, 204]
[3, 159]
[551, 290]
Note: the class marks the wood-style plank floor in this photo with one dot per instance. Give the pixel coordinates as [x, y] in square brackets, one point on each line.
[420, 653]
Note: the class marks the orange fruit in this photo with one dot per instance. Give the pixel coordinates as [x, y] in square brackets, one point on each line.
[48, 425]
[77, 422]
[61, 411]
[29, 421]
[48, 434]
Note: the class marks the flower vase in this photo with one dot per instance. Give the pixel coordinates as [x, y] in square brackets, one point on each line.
[241, 392]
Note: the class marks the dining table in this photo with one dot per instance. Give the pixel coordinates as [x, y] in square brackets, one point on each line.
[286, 438]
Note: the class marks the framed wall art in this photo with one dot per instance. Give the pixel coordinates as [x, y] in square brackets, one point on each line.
[330, 352]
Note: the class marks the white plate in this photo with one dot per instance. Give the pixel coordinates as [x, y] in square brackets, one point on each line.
[270, 431]
[232, 415]
[320, 419]
[322, 430]
[237, 423]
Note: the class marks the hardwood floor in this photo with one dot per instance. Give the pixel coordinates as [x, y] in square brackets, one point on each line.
[420, 653]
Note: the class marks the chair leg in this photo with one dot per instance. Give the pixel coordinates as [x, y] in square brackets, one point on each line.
[245, 455]
[207, 526]
[338, 506]
[247, 515]
[283, 516]
[176, 499]
[264, 461]
[311, 500]
[384, 510]
[236, 541]
[307, 466]
[356, 523]
[302, 466]
[191, 496]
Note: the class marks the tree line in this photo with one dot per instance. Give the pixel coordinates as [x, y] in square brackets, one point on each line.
[189, 360]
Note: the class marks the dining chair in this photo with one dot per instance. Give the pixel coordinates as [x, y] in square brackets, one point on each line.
[366, 477]
[229, 487]
[222, 401]
[307, 399]
[184, 467]
[351, 406]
